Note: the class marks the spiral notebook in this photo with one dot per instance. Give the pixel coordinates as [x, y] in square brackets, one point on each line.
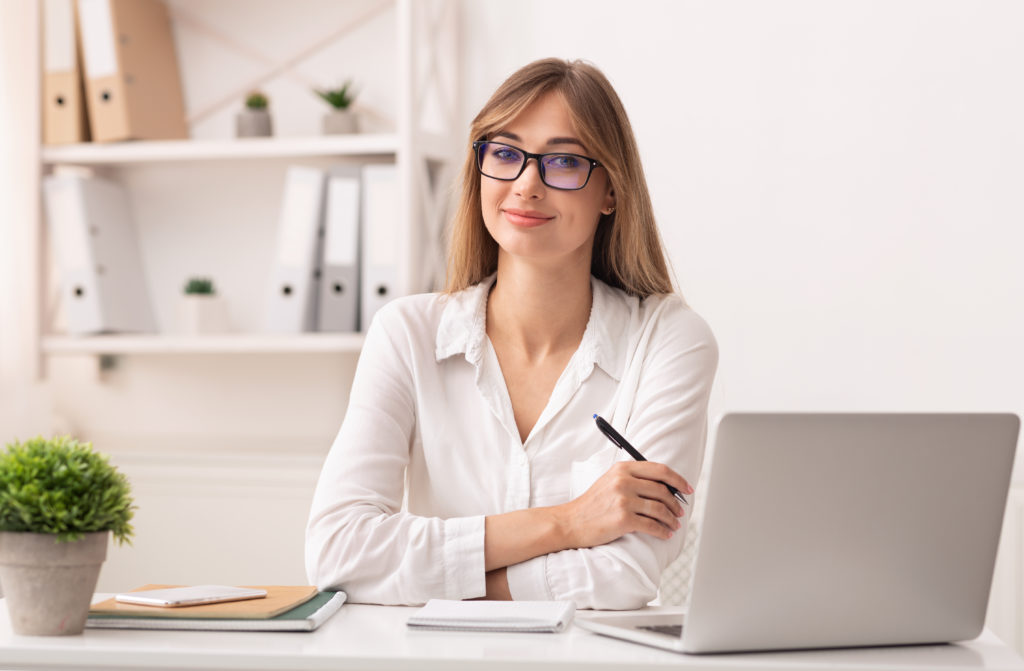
[511, 616]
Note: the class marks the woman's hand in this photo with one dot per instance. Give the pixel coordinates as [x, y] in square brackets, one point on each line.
[630, 496]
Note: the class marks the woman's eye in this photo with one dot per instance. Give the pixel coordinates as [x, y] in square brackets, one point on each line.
[507, 155]
[563, 162]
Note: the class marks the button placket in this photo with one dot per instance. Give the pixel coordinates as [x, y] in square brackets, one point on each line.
[517, 486]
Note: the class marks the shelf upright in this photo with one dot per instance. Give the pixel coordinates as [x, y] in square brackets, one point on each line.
[428, 62]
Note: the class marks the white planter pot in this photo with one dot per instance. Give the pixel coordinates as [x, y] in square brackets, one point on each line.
[201, 313]
[339, 122]
[48, 585]
[253, 123]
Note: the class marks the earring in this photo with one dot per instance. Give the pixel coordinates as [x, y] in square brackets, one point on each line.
[609, 210]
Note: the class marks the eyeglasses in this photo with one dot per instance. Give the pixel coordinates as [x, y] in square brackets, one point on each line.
[568, 172]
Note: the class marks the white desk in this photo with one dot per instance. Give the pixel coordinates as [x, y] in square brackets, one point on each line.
[375, 638]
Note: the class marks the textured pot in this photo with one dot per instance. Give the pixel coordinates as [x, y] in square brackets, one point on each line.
[253, 123]
[48, 585]
[202, 313]
[339, 122]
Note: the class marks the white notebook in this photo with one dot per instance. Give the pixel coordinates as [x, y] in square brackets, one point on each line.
[523, 616]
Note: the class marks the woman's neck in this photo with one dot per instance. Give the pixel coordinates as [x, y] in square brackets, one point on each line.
[539, 310]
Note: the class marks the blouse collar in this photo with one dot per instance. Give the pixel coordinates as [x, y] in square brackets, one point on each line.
[463, 326]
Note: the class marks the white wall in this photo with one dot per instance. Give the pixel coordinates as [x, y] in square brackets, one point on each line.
[838, 184]
[24, 404]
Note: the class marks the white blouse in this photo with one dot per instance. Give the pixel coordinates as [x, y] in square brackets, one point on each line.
[429, 447]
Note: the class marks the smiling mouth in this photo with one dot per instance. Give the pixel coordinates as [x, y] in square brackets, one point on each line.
[525, 217]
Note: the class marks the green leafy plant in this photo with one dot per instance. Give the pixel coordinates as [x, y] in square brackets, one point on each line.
[338, 98]
[256, 100]
[200, 285]
[61, 486]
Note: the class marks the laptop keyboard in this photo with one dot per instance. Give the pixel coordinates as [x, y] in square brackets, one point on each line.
[667, 629]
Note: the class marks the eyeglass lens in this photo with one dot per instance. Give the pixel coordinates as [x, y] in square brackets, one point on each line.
[561, 171]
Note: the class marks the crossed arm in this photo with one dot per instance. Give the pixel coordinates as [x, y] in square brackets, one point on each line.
[630, 497]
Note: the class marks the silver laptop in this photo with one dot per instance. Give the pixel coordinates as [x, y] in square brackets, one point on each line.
[841, 530]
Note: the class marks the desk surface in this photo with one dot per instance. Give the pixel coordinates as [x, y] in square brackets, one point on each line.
[375, 638]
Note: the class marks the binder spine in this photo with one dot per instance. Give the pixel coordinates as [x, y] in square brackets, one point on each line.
[295, 280]
[339, 284]
[381, 228]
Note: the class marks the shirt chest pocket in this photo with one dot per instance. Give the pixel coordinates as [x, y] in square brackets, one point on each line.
[585, 473]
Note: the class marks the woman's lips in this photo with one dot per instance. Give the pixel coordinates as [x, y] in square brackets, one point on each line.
[526, 217]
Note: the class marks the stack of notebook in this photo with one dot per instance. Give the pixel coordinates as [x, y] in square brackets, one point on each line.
[285, 608]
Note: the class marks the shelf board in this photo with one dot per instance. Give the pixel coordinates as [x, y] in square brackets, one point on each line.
[207, 344]
[382, 144]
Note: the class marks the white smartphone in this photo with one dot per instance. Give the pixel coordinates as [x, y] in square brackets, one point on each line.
[190, 596]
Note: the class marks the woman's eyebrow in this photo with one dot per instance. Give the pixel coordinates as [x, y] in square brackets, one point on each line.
[507, 135]
[565, 140]
[552, 141]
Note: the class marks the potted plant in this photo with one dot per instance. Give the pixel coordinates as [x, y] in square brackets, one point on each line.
[59, 503]
[201, 310]
[254, 120]
[341, 119]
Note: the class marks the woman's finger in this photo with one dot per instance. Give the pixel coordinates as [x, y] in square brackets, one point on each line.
[650, 470]
[650, 489]
[659, 512]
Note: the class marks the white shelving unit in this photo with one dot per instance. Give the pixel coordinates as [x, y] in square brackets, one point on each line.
[113, 345]
[425, 75]
[222, 437]
[125, 153]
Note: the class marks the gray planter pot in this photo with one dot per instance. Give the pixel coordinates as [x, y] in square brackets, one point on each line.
[48, 585]
[339, 122]
[253, 123]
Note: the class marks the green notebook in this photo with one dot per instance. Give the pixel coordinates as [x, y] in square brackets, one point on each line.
[305, 617]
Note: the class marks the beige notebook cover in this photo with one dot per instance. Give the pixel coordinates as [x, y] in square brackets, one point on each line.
[279, 599]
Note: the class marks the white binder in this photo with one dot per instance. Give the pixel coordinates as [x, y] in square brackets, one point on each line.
[295, 275]
[381, 231]
[102, 282]
[339, 276]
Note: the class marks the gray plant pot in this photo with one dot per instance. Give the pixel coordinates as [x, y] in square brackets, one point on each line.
[48, 585]
[339, 122]
[253, 123]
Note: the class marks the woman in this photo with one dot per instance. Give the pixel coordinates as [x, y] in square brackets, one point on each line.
[468, 464]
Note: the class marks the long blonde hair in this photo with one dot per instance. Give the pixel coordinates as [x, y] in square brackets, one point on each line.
[628, 252]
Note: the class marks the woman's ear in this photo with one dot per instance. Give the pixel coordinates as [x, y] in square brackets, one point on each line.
[608, 205]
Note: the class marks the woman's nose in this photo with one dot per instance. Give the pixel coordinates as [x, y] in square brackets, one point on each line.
[529, 184]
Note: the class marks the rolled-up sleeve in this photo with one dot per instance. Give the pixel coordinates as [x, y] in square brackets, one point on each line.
[667, 422]
[358, 539]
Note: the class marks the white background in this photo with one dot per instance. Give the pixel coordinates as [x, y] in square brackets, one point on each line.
[839, 186]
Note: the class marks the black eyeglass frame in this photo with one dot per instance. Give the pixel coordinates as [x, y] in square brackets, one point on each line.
[592, 163]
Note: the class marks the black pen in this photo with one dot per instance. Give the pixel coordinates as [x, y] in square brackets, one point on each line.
[619, 441]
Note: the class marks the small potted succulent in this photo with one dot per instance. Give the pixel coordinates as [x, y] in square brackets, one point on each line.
[341, 119]
[254, 120]
[60, 501]
[201, 310]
